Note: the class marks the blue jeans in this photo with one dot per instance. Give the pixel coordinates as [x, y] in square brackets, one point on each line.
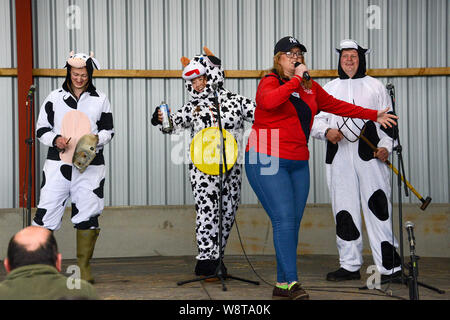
[283, 195]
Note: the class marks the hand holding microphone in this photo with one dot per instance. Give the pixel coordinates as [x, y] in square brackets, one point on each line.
[302, 71]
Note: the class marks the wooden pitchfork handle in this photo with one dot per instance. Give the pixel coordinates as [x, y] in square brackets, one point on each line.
[425, 202]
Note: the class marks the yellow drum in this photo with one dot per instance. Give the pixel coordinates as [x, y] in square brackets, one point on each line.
[205, 150]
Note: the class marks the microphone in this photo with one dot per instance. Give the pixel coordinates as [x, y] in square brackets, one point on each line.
[391, 89]
[31, 91]
[305, 74]
[410, 228]
[390, 86]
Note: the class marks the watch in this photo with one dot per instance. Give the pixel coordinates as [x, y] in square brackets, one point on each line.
[326, 131]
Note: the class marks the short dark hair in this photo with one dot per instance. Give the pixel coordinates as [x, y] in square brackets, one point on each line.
[19, 256]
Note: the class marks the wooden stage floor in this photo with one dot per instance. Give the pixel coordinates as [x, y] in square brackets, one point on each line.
[155, 278]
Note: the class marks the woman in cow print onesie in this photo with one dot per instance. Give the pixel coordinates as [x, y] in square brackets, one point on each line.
[67, 114]
[200, 74]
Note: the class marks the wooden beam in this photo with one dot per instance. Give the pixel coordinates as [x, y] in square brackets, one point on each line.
[113, 73]
[255, 74]
[8, 72]
[409, 72]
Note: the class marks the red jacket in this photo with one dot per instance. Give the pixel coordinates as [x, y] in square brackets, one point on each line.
[285, 113]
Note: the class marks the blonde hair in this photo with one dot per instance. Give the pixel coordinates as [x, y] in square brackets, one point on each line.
[278, 69]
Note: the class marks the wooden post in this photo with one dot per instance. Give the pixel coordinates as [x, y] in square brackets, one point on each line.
[24, 81]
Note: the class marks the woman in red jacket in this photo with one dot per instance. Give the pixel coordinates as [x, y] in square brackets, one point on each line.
[277, 152]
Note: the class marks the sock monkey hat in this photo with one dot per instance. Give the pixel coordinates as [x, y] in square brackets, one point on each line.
[203, 64]
[80, 60]
[352, 44]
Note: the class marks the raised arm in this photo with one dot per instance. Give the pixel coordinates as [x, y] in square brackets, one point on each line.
[271, 94]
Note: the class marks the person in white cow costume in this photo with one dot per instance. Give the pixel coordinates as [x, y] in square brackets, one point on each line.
[357, 176]
[75, 110]
[204, 77]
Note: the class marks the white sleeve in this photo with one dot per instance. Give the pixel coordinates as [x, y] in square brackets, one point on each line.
[182, 118]
[45, 123]
[320, 125]
[248, 109]
[105, 125]
[385, 140]
[321, 120]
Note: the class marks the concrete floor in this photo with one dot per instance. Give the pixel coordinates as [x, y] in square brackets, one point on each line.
[155, 278]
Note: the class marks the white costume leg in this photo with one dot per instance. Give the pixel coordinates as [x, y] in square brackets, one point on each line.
[377, 209]
[206, 193]
[231, 199]
[55, 191]
[87, 196]
[344, 191]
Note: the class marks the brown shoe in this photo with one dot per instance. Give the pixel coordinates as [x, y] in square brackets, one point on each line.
[294, 293]
[298, 293]
[280, 294]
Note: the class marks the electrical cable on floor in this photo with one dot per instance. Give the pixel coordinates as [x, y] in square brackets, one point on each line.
[246, 257]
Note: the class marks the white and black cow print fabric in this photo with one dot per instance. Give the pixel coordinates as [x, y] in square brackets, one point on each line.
[356, 179]
[62, 114]
[200, 113]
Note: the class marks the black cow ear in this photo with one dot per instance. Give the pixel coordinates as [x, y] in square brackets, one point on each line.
[91, 64]
[393, 131]
[94, 64]
[215, 61]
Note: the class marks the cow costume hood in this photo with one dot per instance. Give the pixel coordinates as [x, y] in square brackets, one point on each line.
[80, 60]
[204, 64]
[352, 44]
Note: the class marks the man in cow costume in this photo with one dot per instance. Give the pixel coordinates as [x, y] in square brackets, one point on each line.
[201, 75]
[357, 176]
[69, 113]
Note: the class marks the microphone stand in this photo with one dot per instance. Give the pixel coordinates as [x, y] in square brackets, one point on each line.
[401, 167]
[412, 265]
[29, 141]
[223, 161]
[411, 279]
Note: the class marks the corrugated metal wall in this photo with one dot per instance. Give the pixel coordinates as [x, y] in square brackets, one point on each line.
[9, 159]
[154, 34]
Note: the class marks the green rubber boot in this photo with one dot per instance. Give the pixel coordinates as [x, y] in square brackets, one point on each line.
[85, 248]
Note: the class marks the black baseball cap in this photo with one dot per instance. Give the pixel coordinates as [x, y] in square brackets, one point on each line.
[286, 44]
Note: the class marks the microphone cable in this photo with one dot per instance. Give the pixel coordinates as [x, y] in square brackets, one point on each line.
[246, 257]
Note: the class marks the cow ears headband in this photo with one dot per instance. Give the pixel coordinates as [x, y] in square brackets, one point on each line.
[193, 69]
[79, 60]
[351, 44]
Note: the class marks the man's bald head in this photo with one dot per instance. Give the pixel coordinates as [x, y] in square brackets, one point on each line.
[31, 238]
[32, 245]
